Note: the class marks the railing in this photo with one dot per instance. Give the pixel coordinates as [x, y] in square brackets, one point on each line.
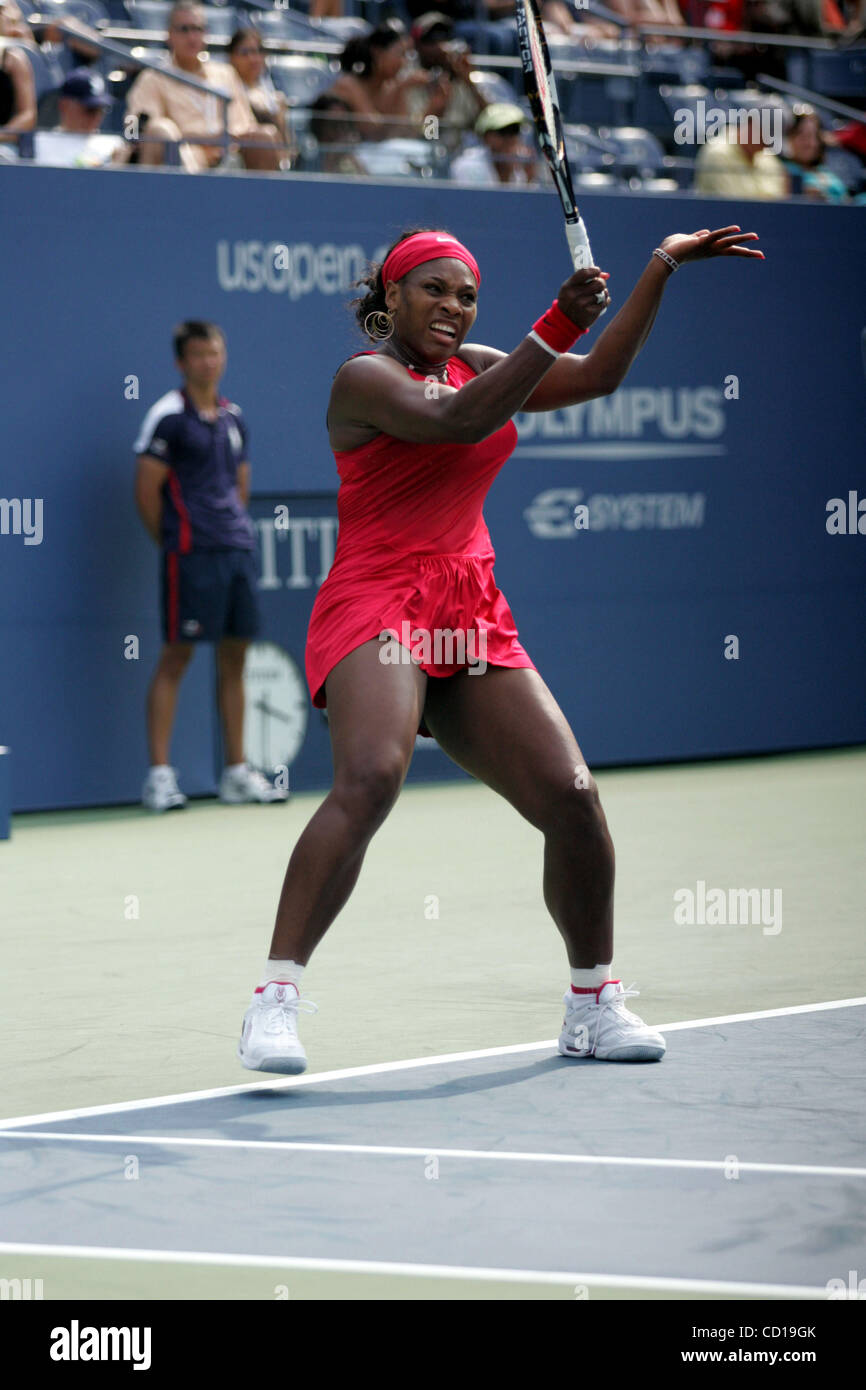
[114, 50]
[331, 47]
[813, 98]
[674, 31]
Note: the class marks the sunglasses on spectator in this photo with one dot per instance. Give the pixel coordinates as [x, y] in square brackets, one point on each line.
[189, 28]
[249, 52]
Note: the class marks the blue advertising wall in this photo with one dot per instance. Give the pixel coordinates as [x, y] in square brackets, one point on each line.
[707, 477]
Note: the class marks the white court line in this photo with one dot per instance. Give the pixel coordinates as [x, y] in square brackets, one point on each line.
[714, 1165]
[506, 1276]
[380, 1068]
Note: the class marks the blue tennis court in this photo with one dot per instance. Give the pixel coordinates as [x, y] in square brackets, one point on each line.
[735, 1167]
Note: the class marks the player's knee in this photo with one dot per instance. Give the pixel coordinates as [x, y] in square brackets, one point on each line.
[368, 791]
[574, 806]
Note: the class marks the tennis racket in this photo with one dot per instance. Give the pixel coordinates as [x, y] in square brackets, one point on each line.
[540, 86]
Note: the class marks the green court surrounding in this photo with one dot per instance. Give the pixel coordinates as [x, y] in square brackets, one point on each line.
[132, 943]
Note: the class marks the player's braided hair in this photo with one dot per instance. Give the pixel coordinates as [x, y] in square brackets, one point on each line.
[374, 299]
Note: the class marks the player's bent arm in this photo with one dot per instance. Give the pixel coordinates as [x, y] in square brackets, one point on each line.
[573, 379]
[375, 390]
[243, 477]
[150, 476]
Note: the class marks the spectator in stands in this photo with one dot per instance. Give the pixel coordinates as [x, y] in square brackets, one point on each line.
[17, 88]
[457, 101]
[738, 164]
[504, 156]
[13, 25]
[851, 137]
[77, 141]
[332, 125]
[174, 111]
[268, 105]
[375, 84]
[808, 17]
[192, 485]
[855, 26]
[805, 157]
[558, 18]
[665, 12]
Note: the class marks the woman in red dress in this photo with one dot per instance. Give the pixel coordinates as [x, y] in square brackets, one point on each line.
[409, 632]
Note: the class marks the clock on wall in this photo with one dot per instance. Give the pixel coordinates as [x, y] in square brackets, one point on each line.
[276, 707]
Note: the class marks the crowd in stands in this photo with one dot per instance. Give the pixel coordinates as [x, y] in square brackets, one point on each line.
[403, 84]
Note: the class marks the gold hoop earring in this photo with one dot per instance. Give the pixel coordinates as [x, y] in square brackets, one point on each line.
[382, 326]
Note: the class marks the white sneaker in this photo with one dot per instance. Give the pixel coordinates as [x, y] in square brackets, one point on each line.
[269, 1036]
[599, 1025]
[246, 784]
[161, 792]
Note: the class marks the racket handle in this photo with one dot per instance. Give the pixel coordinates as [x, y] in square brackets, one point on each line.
[578, 244]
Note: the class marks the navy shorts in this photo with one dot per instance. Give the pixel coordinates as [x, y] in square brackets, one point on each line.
[209, 594]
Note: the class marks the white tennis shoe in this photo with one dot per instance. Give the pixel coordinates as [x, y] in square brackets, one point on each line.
[269, 1036]
[599, 1025]
[240, 785]
[161, 792]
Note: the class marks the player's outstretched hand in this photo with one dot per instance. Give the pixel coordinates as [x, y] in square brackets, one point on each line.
[584, 296]
[701, 246]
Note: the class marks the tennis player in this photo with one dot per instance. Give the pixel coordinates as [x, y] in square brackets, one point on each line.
[420, 425]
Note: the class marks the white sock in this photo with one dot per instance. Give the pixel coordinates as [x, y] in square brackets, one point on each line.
[160, 767]
[590, 979]
[284, 972]
[235, 768]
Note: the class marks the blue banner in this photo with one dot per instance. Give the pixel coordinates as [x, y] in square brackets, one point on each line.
[685, 559]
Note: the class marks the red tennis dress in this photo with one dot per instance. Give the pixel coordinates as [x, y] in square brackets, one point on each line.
[414, 557]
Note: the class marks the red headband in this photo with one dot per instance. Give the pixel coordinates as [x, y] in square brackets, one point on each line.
[426, 246]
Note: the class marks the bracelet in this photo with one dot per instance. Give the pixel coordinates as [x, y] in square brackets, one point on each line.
[555, 331]
[668, 260]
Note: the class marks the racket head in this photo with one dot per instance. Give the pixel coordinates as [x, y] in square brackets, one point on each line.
[540, 87]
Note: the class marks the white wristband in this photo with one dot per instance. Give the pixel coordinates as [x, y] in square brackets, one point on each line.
[668, 260]
[541, 343]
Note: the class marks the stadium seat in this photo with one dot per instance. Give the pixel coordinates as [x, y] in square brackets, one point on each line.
[663, 185]
[841, 74]
[587, 151]
[493, 86]
[596, 181]
[651, 111]
[90, 12]
[148, 14]
[46, 75]
[402, 158]
[596, 100]
[693, 98]
[300, 79]
[846, 166]
[223, 20]
[637, 152]
[342, 27]
[493, 37]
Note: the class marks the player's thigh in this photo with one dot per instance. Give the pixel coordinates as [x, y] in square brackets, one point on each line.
[505, 728]
[374, 710]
